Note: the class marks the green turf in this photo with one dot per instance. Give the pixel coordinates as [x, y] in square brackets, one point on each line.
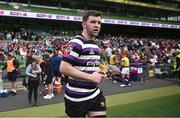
[168, 106]
[141, 95]
[53, 110]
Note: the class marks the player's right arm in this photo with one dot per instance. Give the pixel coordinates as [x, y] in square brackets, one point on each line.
[67, 69]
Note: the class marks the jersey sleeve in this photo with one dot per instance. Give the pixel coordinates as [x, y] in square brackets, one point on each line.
[74, 47]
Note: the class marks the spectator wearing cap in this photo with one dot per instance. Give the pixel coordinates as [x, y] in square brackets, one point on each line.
[12, 67]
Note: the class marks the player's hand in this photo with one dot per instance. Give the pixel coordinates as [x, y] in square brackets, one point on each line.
[98, 77]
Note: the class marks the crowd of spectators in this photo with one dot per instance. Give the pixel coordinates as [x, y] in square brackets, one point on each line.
[146, 50]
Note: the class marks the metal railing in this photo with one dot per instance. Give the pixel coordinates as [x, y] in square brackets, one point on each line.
[161, 71]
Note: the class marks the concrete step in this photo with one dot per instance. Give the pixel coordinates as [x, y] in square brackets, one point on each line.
[20, 87]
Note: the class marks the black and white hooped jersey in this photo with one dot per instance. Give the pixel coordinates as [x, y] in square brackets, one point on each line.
[85, 56]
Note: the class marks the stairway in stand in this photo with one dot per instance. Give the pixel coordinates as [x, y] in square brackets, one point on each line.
[7, 84]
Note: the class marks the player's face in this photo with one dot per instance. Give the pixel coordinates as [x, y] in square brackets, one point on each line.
[93, 25]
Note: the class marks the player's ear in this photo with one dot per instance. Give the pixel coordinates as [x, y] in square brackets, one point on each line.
[83, 24]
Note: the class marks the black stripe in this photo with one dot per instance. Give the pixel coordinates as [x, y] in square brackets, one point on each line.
[82, 82]
[76, 50]
[76, 85]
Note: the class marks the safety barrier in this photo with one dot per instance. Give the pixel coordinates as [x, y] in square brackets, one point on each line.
[136, 71]
[139, 71]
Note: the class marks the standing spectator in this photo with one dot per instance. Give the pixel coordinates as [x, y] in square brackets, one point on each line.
[9, 36]
[82, 95]
[108, 53]
[103, 54]
[12, 66]
[49, 74]
[178, 63]
[42, 64]
[56, 58]
[113, 67]
[29, 57]
[33, 71]
[125, 71]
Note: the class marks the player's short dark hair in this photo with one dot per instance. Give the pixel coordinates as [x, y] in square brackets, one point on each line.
[91, 13]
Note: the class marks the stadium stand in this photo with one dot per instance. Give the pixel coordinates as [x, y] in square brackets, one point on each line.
[118, 10]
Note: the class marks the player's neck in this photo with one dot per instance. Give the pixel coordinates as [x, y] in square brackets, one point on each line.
[88, 37]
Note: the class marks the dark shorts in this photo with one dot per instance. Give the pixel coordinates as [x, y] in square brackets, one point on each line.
[57, 74]
[12, 76]
[34, 80]
[48, 80]
[33, 84]
[80, 109]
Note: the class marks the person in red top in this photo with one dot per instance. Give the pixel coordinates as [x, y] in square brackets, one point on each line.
[66, 50]
[171, 44]
[163, 45]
